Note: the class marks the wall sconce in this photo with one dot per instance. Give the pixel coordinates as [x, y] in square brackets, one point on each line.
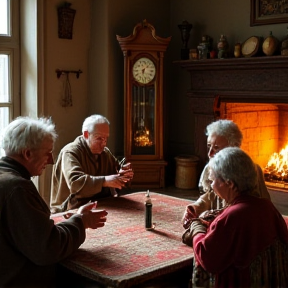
[65, 21]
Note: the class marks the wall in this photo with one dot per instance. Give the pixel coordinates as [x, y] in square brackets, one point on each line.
[42, 52]
[67, 54]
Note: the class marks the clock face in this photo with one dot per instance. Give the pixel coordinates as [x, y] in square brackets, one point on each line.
[144, 70]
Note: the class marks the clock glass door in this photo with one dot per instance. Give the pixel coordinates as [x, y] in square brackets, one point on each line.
[143, 120]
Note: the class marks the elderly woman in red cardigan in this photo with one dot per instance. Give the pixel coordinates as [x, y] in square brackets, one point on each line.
[247, 244]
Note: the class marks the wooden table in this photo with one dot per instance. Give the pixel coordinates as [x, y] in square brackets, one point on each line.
[123, 253]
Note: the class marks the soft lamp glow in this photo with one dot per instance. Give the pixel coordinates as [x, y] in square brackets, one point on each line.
[142, 138]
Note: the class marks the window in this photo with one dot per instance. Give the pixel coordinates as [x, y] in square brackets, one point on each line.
[9, 61]
[4, 17]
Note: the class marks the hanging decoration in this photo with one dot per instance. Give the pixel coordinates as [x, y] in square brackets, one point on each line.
[66, 99]
[67, 93]
[65, 21]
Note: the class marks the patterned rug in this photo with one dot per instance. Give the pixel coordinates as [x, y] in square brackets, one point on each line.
[124, 253]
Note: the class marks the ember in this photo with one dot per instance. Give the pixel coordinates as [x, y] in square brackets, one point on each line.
[277, 168]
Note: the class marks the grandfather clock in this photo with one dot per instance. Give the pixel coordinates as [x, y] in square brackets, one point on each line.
[143, 104]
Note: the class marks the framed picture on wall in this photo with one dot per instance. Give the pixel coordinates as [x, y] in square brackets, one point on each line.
[265, 12]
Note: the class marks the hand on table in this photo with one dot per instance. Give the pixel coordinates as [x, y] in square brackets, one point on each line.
[92, 218]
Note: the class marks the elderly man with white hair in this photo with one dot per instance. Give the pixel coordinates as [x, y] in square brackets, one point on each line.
[31, 244]
[86, 170]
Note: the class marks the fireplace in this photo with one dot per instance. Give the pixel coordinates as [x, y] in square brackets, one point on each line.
[265, 133]
[253, 92]
[264, 127]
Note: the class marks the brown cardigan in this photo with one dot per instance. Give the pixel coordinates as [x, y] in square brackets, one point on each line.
[78, 176]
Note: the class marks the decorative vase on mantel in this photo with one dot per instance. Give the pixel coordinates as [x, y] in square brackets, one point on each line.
[270, 45]
[223, 47]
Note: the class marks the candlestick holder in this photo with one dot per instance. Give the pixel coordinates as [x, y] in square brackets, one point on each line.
[185, 28]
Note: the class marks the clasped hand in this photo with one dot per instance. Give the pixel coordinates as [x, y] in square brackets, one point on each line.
[121, 178]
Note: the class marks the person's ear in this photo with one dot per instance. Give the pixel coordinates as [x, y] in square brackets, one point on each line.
[26, 153]
[230, 184]
[85, 134]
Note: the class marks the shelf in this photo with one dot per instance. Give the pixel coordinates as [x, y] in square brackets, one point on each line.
[235, 63]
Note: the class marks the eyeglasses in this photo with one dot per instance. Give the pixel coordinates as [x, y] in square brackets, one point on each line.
[98, 138]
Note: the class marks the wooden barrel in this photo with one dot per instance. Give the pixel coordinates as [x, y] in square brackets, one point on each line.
[186, 171]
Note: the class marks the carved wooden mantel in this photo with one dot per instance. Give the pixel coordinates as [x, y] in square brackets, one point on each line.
[237, 80]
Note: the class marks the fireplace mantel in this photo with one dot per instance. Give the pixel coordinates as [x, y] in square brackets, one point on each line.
[236, 80]
[255, 79]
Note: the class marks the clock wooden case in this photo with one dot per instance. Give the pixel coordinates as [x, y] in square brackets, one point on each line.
[143, 54]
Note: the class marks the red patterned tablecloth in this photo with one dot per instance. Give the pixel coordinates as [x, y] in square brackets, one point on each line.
[124, 253]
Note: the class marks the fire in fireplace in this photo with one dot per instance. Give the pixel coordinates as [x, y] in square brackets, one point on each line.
[276, 170]
[265, 132]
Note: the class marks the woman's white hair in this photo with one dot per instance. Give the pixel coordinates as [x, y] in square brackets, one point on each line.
[26, 132]
[233, 164]
[227, 129]
[89, 122]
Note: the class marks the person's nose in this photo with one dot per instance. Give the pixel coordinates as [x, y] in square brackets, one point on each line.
[211, 152]
[50, 159]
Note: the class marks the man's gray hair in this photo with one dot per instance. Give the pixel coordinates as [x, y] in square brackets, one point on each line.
[233, 164]
[227, 129]
[89, 122]
[26, 132]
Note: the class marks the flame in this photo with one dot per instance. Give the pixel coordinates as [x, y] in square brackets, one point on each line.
[277, 166]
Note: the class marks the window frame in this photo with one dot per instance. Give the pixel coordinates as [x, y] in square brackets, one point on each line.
[10, 45]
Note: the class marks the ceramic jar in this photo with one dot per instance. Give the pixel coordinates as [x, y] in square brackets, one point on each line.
[270, 45]
[237, 50]
[222, 47]
[204, 47]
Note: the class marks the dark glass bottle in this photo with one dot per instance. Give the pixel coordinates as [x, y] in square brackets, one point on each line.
[148, 212]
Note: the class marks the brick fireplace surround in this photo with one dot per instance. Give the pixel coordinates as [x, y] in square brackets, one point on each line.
[253, 92]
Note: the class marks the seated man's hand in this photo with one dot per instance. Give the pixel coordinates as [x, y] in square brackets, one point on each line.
[126, 166]
[92, 218]
[127, 171]
[117, 180]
